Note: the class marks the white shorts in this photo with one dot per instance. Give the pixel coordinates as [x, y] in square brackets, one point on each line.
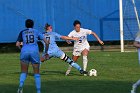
[77, 51]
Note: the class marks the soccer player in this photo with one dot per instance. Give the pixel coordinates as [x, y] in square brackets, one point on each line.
[137, 45]
[55, 51]
[29, 53]
[81, 46]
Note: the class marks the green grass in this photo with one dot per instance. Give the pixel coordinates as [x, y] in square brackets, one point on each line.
[116, 74]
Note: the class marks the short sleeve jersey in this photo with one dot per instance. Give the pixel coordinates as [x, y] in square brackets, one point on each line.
[29, 37]
[51, 37]
[82, 35]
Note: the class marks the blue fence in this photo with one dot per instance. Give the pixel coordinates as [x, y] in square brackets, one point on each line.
[93, 14]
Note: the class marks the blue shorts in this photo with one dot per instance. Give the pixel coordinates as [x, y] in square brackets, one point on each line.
[32, 57]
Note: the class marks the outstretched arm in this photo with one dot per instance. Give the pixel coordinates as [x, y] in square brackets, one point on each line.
[95, 35]
[69, 38]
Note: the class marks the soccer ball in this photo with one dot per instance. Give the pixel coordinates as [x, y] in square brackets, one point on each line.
[93, 72]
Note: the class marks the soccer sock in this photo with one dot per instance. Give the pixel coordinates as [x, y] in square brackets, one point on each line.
[85, 61]
[22, 79]
[75, 65]
[136, 84]
[37, 82]
[70, 61]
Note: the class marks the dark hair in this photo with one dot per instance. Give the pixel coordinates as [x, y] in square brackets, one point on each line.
[47, 25]
[76, 22]
[29, 23]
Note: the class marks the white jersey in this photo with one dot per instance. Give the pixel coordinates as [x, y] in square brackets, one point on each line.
[82, 35]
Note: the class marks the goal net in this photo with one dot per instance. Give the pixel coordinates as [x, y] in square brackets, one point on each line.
[131, 12]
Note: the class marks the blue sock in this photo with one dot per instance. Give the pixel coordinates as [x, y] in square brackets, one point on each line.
[75, 65]
[22, 79]
[37, 82]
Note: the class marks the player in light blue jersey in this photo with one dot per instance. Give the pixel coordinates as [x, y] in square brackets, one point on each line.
[55, 51]
[29, 53]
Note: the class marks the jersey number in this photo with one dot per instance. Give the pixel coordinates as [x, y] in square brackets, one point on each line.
[80, 41]
[29, 39]
[48, 39]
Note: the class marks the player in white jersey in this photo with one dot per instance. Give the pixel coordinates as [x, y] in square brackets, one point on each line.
[137, 45]
[82, 46]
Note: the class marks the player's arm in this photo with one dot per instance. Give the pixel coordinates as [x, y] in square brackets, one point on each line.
[69, 38]
[65, 37]
[69, 35]
[96, 36]
[136, 44]
[18, 44]
[19, 40]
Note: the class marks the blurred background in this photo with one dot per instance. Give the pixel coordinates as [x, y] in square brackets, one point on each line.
[101, 16]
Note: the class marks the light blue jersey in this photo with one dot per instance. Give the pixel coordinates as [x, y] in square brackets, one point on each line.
[53, 49]
[30, 51]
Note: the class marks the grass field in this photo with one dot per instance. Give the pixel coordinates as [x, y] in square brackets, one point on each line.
[116, 73]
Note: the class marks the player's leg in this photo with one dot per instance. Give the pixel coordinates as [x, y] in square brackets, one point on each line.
[134, 86]
[139, 55]
[75, 58]
[36, 67]
[37, 77]
[72, 63]
[24, 70]
[85, 60]
[23, 75]
[76, 55]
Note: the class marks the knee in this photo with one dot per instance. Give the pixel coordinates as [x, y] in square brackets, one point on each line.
[64, 57]
[36, 68]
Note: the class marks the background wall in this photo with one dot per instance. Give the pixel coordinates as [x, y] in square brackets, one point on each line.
[101, 16]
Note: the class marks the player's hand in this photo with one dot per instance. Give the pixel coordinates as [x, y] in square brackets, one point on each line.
[75, 38]
[21, 43]
[46, 56]
[101, 42]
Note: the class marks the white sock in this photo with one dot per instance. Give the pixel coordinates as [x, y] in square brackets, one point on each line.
[85, 61]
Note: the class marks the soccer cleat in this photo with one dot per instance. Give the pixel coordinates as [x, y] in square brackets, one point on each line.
[19, 90]
[83, 72]
[67, 72]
